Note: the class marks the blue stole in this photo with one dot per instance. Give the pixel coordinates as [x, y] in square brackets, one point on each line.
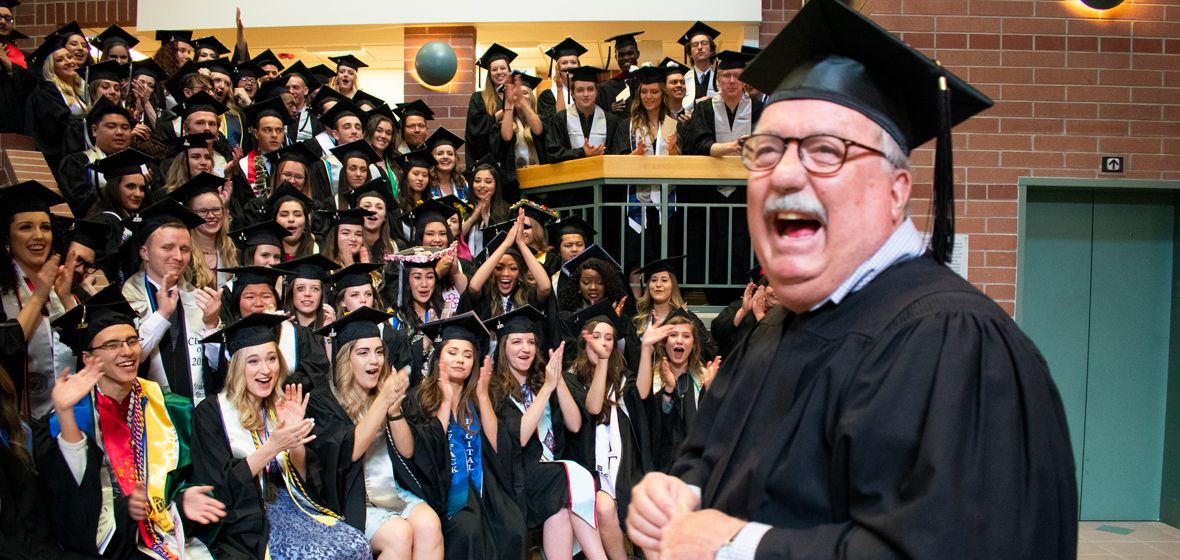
[466, 463]
[460, 192]
[83, 415]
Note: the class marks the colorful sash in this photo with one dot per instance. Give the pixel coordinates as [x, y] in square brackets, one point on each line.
[466, 463]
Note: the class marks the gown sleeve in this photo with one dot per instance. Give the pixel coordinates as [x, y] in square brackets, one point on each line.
[480, 124]
[557, 141]
[704, 338]
[431, 453]
[619, 142]
[242, 533]
[339, 482]
[723, 330]
[313, 361]
[546, 104]
[697, 135]
[74, 182]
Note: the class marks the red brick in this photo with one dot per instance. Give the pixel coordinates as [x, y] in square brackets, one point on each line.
[984, 41]
[1114, 44]
[1032, 159]
[1099, 28]
[966, 24]
[999, 291]
[1130, 78]
[1166, 29]
[1001, 8]
[1033, 92]
[1142, 45]
[1001, 192]
[993, 242]
[1153, 95]
[1065, 143]
[1098, 60]
[1099, 93]
[1049, 43]
[1012, 109]
[963, 58]
[970, 225]
[1127, 111]
[1082, 126]
[1031, 126]
[1125, 145]
[998, 142]
[1039, 59]
[1001, 258]
[1066, 76]
[951, 40]
[923, 41]
[1017, 42]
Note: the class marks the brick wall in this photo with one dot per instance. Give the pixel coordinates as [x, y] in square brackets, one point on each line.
[449, 102]
[37, 18]
[1069, 87]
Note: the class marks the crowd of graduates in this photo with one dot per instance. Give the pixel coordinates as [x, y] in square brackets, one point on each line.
[285, 321]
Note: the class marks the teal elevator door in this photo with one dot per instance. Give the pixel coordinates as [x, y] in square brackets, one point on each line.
[1097, 301]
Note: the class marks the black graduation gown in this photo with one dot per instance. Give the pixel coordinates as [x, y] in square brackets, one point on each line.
[700, 132]
[314, 369]
[725, 333]
[339, 482]
[547, 104]
[14, 91]
[557, 135]
[504, 151]
[13, 350]
[25, 529]
[541, 489]
[490, 526]
[49, 122]
[77, 183]
[913, 420]
[609, 90]
[671, 417]
[481, 124]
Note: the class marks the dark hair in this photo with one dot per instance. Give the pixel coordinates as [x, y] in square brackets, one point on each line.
[569, 294]
[342, 183]
[430, 396]
[288, 303]
[166, 58]
[499, 210]
[10, 419]
[503, 385]
[583, 370]
[108, 199]
[407, 305]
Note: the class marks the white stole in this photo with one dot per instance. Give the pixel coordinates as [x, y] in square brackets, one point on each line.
[723, 132]
[690, 87]
[381, 488]
[581, 483]
[608, 450]
[288, 346]
[573, 122]
[135, 290]
[46, 354]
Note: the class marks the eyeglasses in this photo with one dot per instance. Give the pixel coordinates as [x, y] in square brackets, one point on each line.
[131, 343]
[8, 19]
[87, 266]
[820, 154]
[208, 212]
[724, 76]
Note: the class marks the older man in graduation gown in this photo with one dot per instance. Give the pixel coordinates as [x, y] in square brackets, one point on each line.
[889, 409]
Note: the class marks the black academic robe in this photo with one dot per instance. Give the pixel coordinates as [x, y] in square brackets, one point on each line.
[546, 104]
[49, 121]
[610, 89]
[557, 138]
[14, 91]
[541, 489]
[504, 152]
[700, 132]
[13, 350]
[25, 529]
[481, 124]
[912, 420]
[672, 413]
[490, 526]
[77, 182]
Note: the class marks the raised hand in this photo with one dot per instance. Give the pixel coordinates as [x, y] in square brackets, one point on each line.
[292, 407]
[710, 372]
[391, 390]
[167, 295]
[553, 368]
[640, 147]
[485, 379]
[655, 334]
[364, 254]
[448, 394]
[748, 297]
[200, 507]
[329, 314]
[666, 375]
[209, 301]
[46, 277]
[294, 435]
[64, 283]
[618, 306]
[595, 346]
[69, 389]
[758, 303]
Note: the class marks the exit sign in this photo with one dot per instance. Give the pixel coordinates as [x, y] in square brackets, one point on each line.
[1112, 164]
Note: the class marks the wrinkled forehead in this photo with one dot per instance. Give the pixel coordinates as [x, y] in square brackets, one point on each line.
[805, 117]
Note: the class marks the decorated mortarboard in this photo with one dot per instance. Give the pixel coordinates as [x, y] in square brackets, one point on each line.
[624, 39]
[649, 74]
[572, 225]
[311, 267]
[353, 275]
[107, 308]
[247, 70]
[418, 257]
[603, 311]
[119, 164]
[162, 213]
[299, 69]
[591, 252]
[322, 73]
[671, 265]
[454, 202]
[252, 330]
[272, 107]
[466, 326]
[494, 53]
[347, 217]
[29, 196]
[362, 98]
[523, 319]
[262, 233]
[673, 66]
[202, 102]
[698, 28]
[292, 152]
[254, 275]
[285, 192]
[567, 47]
[148, 67]
[267, 58]
[831, 52]
[103, 107]
[378, 187]
[542, 214]
[381, 110]
[222, 66]
[86, 233]
[440, 137]
[415, 107]
[730, 60]
[348, 61]
[364, 322]
[196, 140]
[356, 149]
[321, 97]
[165, 36]
[212, 43]
[585, 74]
[528, 80]
[202, 183]
[114, 35]
[343, 108]
[109, 70]
[418, 158]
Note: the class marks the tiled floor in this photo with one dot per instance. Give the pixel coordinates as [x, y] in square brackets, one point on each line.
[1146, 540]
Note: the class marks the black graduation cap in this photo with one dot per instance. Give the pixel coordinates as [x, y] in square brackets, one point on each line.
[651, 74]
[107, 308]
[247, 70]
[671, 265]
[494, 53]
[528, 80]
[591, 252]
[109, 70]
[348, 61]
[353, 275]
[428, 212]
[165, 36]
[311, 267]
[267, 57]
[251, 330]
[126, 162]
[364, 322]
[261, 233]
[51, 45]
[322, 73]
[415, 107]
[114, 35]
[292, 152]
[89, 234]
[729, 60]
[752, 50]
[104, 107]
[673, 66]
[197, 140]
[356, 148]
[454, 202]
[381, 110]
[523, 319]
[272, 107]
[202, 101]
[348, 217]
[212, 43]
[493, 236]
[466, 326]
[624, 39]
[535, 211]
[68, 30]
[342, 108]
[175, 82]
[378, 187]
[572, 224]
[756, 274]
[362, 97]
[679, 312]
[9, 3]
[442, 136]
[29, 196]
[418, 158]
[698, 28]
[301, 70]
[164, 212]
[287, 192]
[322, 96]
[148, 67]
[603, 311]
[832, 52]
[567, 47]
[203, 183]
[217, 65]
[585, 74]
[271, 89]
[253, 275]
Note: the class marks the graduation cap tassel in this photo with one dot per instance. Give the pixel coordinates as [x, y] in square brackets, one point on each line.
[942, 238]
[608, 53]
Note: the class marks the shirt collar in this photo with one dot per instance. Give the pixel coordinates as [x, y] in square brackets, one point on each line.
[904, 244]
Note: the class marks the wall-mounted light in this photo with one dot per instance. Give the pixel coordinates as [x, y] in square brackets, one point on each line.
[1102, 4]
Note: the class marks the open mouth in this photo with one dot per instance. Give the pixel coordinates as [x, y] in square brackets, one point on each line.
[126, 365]
[797, 225]
[263, 381]
[677, 353]
[505, 284]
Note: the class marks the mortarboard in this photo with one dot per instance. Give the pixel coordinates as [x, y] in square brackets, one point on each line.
[523, 319]
[51, 45]
[347, 217]
[535, 211]
[68, 30]
[442, 136]
[494, 53]
[287, 192]
[729, 60]
[585, 74]
[301, 70]
[107, 308]
[212, 43]
[466, 326]
[292, 152]
[114, 35]
[29, 196]
[253, 275]
[203, 183]
[267, 57]
[148, 67]
[673, 66]
[602, 311]
[362, 97]
[261, 233]
[573, 224]
[202, 102]
[651, 74]
[311, 267]
[619, 41]
[343, 108]
[381, 110]
[671, 265]
[108, 70]
[271, 89]
[321, 97]
[415, 107]
[428, 212]
[251, 330]
[125, 162]
[89, 234]
[247, 70]
[104, 107]
[165, 36]
[164, 212]
[591, 252]
[358, 149]
[378, 187]
[698, 28]
[364, 322]
[348, 61]
[271, 107]
[567, 47]
[197, 140]
[353, 275]
[322, 73]
[418, 158]
[528, 80]
[217, 65]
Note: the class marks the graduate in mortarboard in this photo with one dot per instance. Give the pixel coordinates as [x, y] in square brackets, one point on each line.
[145, 96]
[447, 177]
[298, 166]
[343, 125]
[486, 107]
[488, 200]
[418, 298]
[568, 237]
[415, 116]
[345, 242]
[584, 129]
[212, 248]
[74, 40]
[176, 49]
[430, 228]
[114, 43]
[16, 80]
[378, 228]
[305, 294]
[539, 413]
[124, 194]
[346, 81]
[94, 265]
[520, 140]
[591, 277]
[676, 90]
[462, 449]
[108, 496]
[362, 475]
[501, 283]
[298, 215]
[743, 314]
[659, 296]
[209, 48]
[105, 79]
[109, 126]
[358, 285]
[267, 121]
[269, 62]
[357, 167]
[249, 443]
[381, 132]
[300, 83]
[700, 52]
[614, 93]
[652, 133]
[563, 57]
[200, 113]
[415, 186]
[55, 112]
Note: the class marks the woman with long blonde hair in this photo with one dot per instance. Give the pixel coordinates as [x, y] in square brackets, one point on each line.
[213, 249]
[55, 113]
[520, 140]
[486, 106]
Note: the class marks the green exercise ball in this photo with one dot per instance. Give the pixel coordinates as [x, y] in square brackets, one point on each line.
[436, 63]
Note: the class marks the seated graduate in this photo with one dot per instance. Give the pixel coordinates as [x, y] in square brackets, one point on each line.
[260, 244]
[381, 130]
[110, 127]
[534, 403]
[501, 283]
[249, 444]
[200, 112]
[213, 249]
[55, 110]
[536, 218]
[591, 277]
[376, 196]
[740, 317]
[173, 314]
[192, 155]
[671, 367]
[584, 129]
[419, 300]
[353, 287]
[415, 130]
[208, 48]
[252, 180]
[362, 475]
[615, 441]
[108, 496]
[430, 223]
[459, 445]
[446, 177]
[298, 165]
[345, 242]
[660, 297]
[343, 126]
[124, 195]
[565, 56]
[88, 242]
[304, 294]
[295, 212]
